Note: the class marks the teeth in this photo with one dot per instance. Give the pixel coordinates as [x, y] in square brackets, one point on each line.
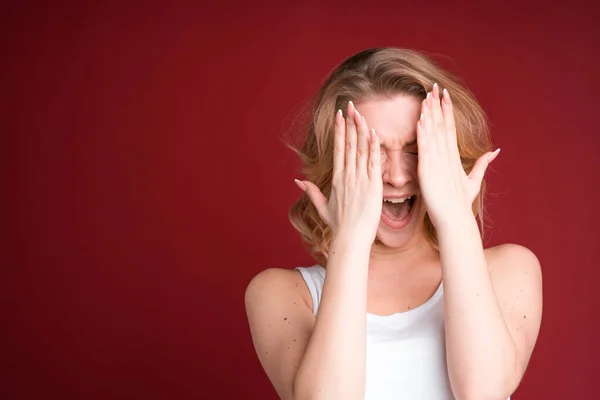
[397, 200]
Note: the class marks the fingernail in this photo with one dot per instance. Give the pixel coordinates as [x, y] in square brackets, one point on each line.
[446, 96]
[428, 94]
[352, 104]
[435, 85]
[422, 116]
[300, 184]
[494, 155]
[373, 135]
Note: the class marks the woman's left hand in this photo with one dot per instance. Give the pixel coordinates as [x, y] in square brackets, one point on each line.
[446, 189]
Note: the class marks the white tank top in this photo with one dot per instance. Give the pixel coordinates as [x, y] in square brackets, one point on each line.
[406, 354]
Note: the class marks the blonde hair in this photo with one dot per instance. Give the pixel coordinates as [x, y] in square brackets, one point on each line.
[375, 73]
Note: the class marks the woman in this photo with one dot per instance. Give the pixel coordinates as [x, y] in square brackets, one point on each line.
[394, 162]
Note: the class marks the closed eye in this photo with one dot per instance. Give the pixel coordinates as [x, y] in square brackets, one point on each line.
[384, 157]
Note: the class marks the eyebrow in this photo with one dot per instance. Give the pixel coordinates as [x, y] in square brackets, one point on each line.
[412, 143]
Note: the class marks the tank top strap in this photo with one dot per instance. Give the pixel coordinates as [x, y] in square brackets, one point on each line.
[314, 277]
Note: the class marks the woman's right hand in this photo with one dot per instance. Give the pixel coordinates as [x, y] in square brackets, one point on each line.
[353, 209]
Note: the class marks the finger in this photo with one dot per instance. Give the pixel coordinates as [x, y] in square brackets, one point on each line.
[436, 110]
[478, 171]
[317, 199]
[350, 164]
[493, 156]
[448, 112]
[425, 118]
[339, 143]
[374, 165]
[362, 149]
[421, 132]
[429, 104]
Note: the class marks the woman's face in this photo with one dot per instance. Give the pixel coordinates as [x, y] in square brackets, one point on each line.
[395, 121]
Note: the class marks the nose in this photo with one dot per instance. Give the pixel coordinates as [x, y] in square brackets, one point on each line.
[396, 170]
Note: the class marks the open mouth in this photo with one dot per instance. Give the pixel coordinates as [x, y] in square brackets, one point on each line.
[398, 209]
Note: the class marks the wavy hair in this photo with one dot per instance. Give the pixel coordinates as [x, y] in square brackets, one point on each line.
[369, 74]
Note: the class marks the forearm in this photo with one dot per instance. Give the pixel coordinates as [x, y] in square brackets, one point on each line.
[481, 354]
[334, 363]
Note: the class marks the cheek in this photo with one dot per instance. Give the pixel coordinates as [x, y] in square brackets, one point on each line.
[412, 162]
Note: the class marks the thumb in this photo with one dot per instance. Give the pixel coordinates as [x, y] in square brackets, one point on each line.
[315, 196]
[478, 171]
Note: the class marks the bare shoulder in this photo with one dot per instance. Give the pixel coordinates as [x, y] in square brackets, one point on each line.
[516, 277]
[513, 262]
[281, 320]
[271, 283]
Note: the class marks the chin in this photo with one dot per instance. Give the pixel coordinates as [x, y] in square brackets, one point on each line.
[393, 240]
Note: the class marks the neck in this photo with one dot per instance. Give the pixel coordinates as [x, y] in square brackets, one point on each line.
[414, 253]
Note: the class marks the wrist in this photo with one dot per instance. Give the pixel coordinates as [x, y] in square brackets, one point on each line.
[456, 221]
[350, 244]
[347, 254]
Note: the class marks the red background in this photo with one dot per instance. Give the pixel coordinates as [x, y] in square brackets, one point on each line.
[144, 181]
